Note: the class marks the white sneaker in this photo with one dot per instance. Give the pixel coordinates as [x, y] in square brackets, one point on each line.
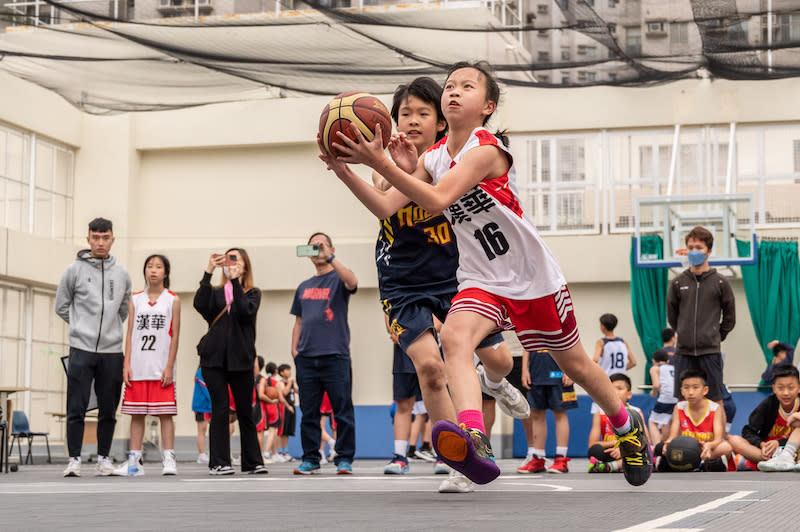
[426, 455]
[202, 458]
[268, 459]
[509, 399]
[169, 467]
[73, 468]
[456, 483]
[133, 467]
[323, 459]
[278, 458]
[104, 468]
[236, 461]
[287, 457]
[779, 463]
[332, 454]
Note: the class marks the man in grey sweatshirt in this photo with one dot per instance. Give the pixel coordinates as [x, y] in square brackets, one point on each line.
[93, 298]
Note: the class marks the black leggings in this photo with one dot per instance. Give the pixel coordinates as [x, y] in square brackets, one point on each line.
[219, 438]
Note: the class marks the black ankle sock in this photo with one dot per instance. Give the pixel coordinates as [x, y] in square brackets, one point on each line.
[426, 446]
[411, 449]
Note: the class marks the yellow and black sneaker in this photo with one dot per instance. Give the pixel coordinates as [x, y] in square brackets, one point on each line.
[637, 458]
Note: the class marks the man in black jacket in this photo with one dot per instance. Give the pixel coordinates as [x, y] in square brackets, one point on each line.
[697, 299]
[768, 426]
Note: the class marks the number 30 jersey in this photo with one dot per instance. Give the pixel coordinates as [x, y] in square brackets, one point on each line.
[500, 250]
[152, 335]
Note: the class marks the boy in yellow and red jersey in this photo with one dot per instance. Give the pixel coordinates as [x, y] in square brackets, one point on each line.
[699, 418]
[604, 456]
[768, 426]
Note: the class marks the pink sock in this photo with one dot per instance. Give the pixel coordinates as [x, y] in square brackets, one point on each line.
[472, 419]
[620, 421]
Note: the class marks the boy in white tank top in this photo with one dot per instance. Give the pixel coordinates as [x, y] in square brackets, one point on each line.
[662, 375]
[611, 352]
[148, 370]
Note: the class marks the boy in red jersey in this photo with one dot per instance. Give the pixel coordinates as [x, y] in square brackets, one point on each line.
[604, 457]
[699, 418]
[768, 427]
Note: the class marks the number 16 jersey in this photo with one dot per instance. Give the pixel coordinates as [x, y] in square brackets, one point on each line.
[500, 250]
[152, 335]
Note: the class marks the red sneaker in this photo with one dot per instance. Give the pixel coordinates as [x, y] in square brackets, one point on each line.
[559, 465]
[534, 465]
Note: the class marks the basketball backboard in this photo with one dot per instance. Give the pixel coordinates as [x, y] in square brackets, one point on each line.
[729, 217]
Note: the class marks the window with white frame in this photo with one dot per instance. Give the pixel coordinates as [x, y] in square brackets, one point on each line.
[32, 341]
[38, 201]
[558, 180]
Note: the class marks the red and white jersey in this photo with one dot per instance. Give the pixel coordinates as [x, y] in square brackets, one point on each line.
[780, 429]
[152, 335]
[500, 250]
[701, 429]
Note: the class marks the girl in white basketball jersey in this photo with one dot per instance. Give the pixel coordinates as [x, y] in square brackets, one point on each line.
[150, 349]
[505, 272]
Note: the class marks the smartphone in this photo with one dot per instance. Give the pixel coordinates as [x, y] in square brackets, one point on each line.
[308, 250]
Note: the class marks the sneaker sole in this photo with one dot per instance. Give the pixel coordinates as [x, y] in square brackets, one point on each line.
[457, 451]
[71, 474]
[312, 472]
[558, 471]
[343, 472]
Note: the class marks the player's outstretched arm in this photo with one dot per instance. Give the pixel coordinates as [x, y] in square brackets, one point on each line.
[381, 203]
[476, 165]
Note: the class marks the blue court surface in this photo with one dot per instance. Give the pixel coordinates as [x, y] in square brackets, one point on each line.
[39, 498]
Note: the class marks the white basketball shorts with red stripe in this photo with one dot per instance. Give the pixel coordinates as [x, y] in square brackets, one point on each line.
[544, 323]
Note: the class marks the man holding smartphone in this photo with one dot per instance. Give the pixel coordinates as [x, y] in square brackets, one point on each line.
[93, 298]
[321, 351]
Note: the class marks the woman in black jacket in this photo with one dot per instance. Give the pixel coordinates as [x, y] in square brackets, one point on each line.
[227, 353]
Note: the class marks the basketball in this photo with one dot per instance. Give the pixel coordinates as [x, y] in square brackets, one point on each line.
[271, 392]
[359, 108]
[683, 453]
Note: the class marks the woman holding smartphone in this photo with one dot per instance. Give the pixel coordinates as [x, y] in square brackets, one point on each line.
[227, 352]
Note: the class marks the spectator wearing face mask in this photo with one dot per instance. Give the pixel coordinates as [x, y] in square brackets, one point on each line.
[702, 310]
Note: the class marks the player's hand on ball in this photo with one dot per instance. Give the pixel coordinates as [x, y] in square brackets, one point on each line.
[332, 162]
[360, 151]
[403, 152]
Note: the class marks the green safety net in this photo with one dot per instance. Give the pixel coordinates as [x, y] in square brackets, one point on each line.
[649, 298]
[772, 288]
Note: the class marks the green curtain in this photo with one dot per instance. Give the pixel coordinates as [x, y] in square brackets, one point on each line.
[649, 299]
[772, 288]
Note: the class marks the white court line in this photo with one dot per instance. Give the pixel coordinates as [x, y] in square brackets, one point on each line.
[677, 516]
[554, 487]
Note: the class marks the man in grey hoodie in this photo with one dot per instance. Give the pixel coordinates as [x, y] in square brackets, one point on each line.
[93, 298]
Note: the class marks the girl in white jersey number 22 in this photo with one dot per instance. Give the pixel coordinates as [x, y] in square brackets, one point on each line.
[154, 323]
[506, 272]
